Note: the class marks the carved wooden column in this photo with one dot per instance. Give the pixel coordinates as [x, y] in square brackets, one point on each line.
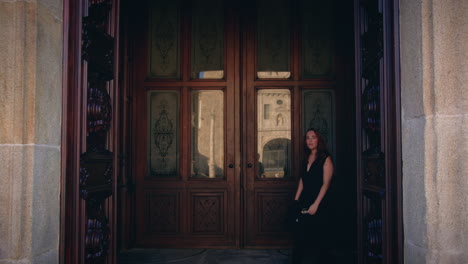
[96, 164]
[92, 134]
[378, 134]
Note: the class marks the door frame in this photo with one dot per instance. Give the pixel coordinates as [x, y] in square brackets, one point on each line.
[70, 119]
[391, 195]
[75, 225]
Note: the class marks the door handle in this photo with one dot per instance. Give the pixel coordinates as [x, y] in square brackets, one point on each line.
[231, 166]
[249, 165]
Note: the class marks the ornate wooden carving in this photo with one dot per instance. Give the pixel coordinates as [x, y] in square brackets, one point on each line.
[95, 174]
[96, 164]
[371, 57]
[373, 163]
[99, 110]
[97, 232]
[98, 51]
[208, 213]
[374, 169]
[89, 130]
[95, 186]
[97, 44]
[373, 226]
[163, 212]
[378, 139]
[272, 211]
[99, 115]
[372, 81]
[371, 38]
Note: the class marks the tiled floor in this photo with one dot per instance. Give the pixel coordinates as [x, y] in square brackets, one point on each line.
[204, 256]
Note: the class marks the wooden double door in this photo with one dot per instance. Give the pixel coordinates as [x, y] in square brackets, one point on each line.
[184, 128]
[221, 94]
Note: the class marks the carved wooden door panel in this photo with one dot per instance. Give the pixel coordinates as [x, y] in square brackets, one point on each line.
[291, 78]
[91, 132]
[184, 90]
[378, 132]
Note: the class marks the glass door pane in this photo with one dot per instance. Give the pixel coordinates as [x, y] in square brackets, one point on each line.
[208, 39]
[164, 39]
[273, 39]
[273, 133]
[163, 133]
[318, 112]
[207, 134]
[317, 39]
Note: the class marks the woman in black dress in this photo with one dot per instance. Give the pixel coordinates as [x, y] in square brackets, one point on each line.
[312, 238]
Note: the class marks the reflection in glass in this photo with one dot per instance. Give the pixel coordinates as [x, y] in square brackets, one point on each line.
[207, 134]
[273, 133]
[207, 39]
[163, 133]
[273, 39]
[273, 74]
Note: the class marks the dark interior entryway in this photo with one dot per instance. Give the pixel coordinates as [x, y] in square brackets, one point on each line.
[185, 119]
[219, 94]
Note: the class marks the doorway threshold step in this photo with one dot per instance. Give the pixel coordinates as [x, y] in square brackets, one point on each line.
[204, 256]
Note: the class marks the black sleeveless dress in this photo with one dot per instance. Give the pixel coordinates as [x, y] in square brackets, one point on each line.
[315, 229]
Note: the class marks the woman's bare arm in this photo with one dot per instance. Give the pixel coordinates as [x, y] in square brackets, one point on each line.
[299, 190]
[327, 176]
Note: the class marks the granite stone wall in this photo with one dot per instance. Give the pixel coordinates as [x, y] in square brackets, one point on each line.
[434, 96]
[30, 130]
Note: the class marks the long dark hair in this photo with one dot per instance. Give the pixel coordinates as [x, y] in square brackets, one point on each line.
[322, 150]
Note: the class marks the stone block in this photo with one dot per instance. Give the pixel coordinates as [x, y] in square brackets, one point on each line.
[450, 38]
[414, 254]
[449, 228]
[30, 204]
[5, 200]
[411, 60]
[49, 257]
[445, 188]
[55, 7]
[434, 61]
[48, 94]
[452, 148]
[446, 257]
[414, 192]
[8, 67]
[16, 244]
[46, 202]
[17, 71]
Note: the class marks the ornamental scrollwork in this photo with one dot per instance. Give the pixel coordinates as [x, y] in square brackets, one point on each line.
[97, 232]
[163, 133]
[319, 122]
[164, 33]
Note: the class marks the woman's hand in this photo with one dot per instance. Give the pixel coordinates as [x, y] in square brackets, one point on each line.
[313, 209]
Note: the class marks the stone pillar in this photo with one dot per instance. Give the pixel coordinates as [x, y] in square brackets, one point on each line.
[434, 96]
[30, 130]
